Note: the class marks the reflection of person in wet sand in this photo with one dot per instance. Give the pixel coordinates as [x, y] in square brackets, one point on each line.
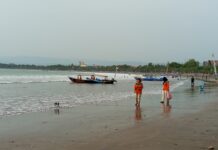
[138, 113]
[166, 109]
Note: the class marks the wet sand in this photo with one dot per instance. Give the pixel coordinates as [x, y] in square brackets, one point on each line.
[118, 125]
[190, 132]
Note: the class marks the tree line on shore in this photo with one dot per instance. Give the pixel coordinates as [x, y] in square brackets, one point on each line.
[191, 66]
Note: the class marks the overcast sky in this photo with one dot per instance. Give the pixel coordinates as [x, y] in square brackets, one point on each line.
[110, 30]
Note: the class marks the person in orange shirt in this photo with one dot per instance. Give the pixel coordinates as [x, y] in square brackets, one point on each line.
[165, 91]
[138, 91]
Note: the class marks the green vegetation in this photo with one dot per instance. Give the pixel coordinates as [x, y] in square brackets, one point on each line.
[191, 66]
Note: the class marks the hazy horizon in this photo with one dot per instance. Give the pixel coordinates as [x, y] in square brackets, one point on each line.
[68, 61]
[108, 31]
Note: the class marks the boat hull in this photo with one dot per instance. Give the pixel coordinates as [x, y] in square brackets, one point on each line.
[89, 81]
[150, 79]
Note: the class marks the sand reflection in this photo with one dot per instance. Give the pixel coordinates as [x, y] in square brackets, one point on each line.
[166, 110]
[138, 113]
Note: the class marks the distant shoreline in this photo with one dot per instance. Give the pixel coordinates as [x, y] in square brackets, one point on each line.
[190, 67]
[122, 69]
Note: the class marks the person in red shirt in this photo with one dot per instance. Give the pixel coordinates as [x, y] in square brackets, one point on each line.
[138, 91]
[165, 91]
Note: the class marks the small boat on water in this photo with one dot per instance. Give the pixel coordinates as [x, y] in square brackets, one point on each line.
[150, 78]
[92, 80]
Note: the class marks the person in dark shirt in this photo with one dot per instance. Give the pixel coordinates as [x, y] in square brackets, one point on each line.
[192, 82]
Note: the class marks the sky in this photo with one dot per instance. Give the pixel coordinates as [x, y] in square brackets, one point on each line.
[157, 31]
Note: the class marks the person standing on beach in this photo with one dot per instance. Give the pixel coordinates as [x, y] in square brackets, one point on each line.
[165, 91]
[192, 82]
[138, 91]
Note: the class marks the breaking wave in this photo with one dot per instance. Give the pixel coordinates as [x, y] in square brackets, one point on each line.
[33, 79]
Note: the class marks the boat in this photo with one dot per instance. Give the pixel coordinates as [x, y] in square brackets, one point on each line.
[150, 78]
[92, 80]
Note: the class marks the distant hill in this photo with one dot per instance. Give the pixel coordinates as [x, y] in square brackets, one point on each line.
[191, 66]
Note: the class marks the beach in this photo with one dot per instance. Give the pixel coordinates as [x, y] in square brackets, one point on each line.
[193, 131]
[109, 119]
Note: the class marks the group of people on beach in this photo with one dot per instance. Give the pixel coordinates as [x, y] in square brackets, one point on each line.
[166, 95]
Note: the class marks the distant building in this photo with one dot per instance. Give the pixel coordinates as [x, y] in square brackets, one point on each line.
[94, 65]
[210, 62]
[82, 64]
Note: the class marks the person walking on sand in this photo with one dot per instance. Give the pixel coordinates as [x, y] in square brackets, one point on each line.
[165, 91]
[138, 91]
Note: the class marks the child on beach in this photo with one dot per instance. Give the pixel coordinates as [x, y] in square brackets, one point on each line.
[165, 91]
[138, 91]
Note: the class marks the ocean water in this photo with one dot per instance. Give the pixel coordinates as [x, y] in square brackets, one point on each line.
[24, 91]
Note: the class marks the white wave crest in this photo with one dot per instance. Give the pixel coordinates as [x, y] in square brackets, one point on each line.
[32, 79]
